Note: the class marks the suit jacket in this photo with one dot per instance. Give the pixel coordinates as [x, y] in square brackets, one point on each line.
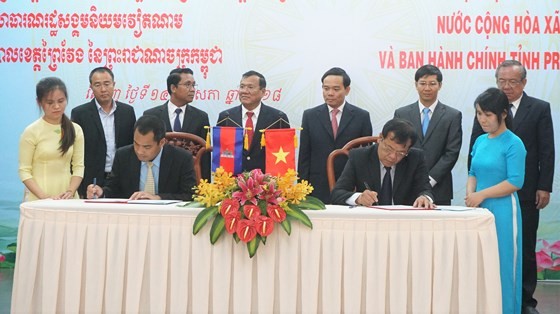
[176, 174]
[317, 142]
[533, 125]
[194, 121]
[87, 116]
[268, 117]
[411, 176]
[441, 145]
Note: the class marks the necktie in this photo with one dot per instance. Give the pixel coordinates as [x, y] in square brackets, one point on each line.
[386, 193]
[334, 122]
[249, 124]
[177, 123]
[150, 185]
[425, 120]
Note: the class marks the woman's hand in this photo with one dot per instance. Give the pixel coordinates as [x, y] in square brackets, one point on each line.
[64, 195]
[474, 199]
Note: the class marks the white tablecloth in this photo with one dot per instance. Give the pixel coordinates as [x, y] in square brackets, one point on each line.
[121, 258]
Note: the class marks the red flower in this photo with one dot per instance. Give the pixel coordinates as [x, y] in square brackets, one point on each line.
[250, 189]
[2, 258]
[246, 230]
[276, 212]
[264, 225]
[251, 211]
[270, 194]
[228, 205]
[231, 221]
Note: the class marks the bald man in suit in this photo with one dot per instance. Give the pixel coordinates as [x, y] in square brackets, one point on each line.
[107, 125]
[251, 91]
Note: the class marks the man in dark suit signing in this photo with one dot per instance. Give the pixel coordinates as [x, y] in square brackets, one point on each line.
[389, 172]
[107, 125]
[439, 130]
[178, 115]
[254, 114]
[318, 138]
[532, 122]
[149, 169]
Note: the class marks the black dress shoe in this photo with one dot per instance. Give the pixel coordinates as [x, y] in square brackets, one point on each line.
[530, 310]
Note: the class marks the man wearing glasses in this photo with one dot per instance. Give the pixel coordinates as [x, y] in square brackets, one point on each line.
[254, 116]
[389, 172]
[178, 116]
[532, 122]
[440, 134]
[107, 125]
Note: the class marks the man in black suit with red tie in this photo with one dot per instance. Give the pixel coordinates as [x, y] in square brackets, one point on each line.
[254, 114]
[318, 139]
[107, 125]
[532, 122]
[177, 113]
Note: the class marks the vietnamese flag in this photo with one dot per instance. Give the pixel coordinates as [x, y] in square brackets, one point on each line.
[227, 150]
[280, 151]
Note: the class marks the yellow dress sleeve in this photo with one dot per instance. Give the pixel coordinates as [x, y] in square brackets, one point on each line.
[27, 146]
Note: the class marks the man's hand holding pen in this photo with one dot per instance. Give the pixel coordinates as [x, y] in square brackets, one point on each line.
[368, 197]
[94, 191]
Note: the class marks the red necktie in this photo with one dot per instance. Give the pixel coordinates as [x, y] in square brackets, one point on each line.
[249, 124]
[334, 122]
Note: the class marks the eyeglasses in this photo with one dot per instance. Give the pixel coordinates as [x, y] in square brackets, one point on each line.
[512, 83]
[189, 85]
[104, 84]
[250, 88]
[390, 150]
[425, 84]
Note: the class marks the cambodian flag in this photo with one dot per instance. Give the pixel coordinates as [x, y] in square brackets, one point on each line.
[227, 148]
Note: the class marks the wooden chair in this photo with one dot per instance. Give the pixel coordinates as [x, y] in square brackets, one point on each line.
[194, 144]
[345, 150]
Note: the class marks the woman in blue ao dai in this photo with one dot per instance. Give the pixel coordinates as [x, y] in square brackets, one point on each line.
[497, 172]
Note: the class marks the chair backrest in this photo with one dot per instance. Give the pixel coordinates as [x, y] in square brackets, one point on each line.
[193, 143]
[357, 142]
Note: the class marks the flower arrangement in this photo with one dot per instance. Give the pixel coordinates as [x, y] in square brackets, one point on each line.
[548, 260]
[249, 205]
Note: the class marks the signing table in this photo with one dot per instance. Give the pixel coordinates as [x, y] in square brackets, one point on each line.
[76, 257]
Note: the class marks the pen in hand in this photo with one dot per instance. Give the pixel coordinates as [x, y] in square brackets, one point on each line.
[368, 188]
[94, 184]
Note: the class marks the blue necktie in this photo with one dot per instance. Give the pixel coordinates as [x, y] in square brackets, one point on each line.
[177, 123]
[425, 120]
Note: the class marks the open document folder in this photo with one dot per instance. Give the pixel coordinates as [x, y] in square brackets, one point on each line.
[125, 201]
[407, 207]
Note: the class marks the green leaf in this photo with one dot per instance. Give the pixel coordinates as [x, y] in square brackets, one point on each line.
[311, 203]
[287, 226]
[192, 205]
[299, 215]
[203, 217]
[12, 247]
[218, 228]
[253, 245]
[236, 238]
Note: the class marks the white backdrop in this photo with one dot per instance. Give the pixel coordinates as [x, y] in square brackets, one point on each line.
[292, 42]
